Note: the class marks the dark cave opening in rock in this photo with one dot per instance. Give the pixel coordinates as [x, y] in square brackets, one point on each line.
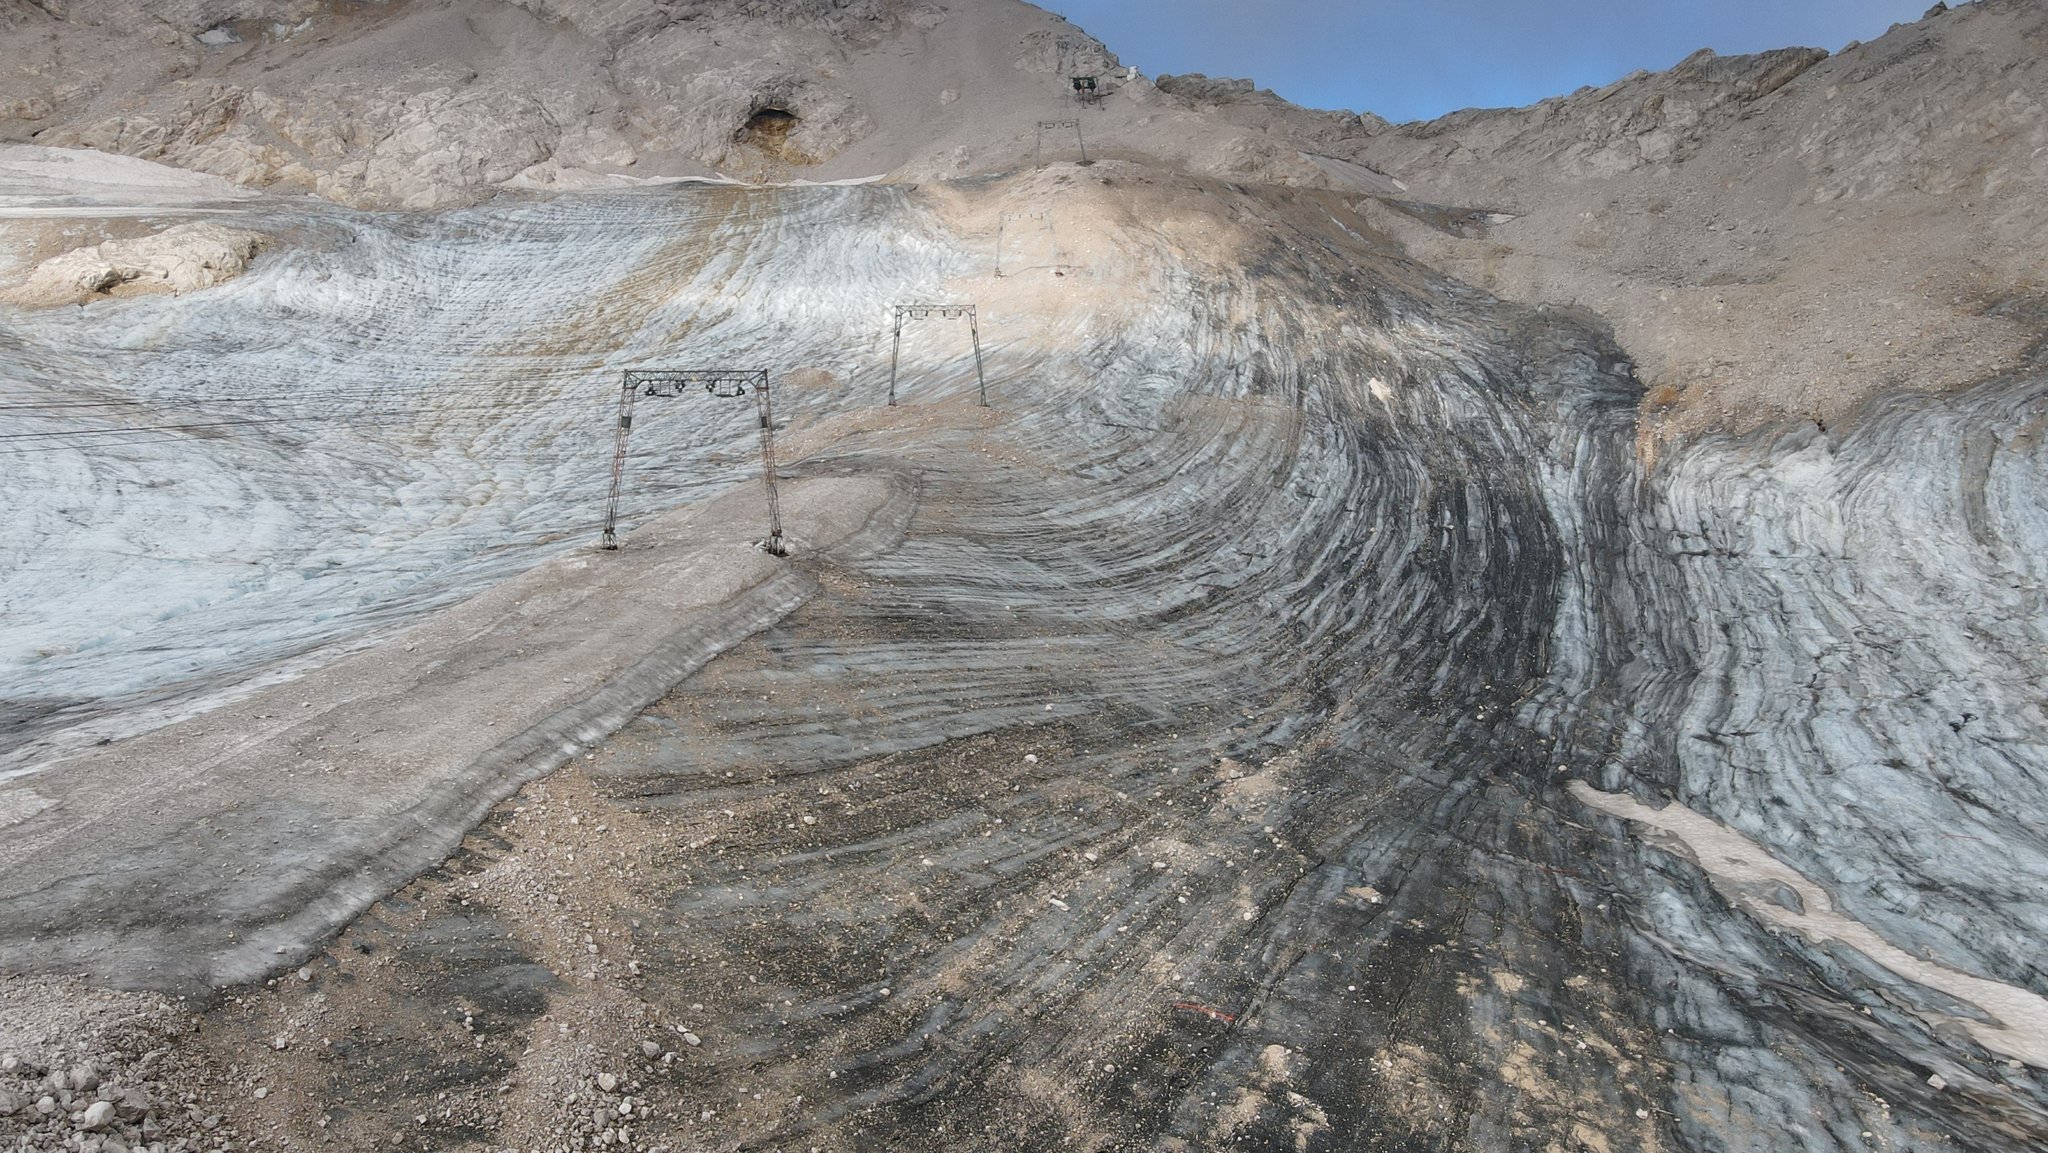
[769, 127]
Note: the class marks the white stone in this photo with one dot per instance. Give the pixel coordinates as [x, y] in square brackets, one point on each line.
[98, 1115]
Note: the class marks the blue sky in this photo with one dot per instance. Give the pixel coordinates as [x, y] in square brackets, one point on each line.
[1410, 59]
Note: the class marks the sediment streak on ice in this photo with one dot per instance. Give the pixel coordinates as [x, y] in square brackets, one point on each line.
[1739, 868]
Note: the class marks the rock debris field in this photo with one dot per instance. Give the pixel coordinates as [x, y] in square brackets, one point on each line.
[1298, 712]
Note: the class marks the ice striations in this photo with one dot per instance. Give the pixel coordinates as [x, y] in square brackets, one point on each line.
[1307, 580]
[387, 410]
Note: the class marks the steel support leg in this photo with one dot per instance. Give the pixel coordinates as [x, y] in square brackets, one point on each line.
[895, 350]
[775, 545]
[974, 331]
[625, 429]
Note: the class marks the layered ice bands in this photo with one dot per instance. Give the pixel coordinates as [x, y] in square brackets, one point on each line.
[388, 414]
[1251, 692]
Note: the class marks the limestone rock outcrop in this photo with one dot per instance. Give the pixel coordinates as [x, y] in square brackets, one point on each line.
[182, 258]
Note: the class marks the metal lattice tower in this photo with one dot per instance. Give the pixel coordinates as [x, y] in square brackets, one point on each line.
[1045, 126]
[944, 312]
[724, 383]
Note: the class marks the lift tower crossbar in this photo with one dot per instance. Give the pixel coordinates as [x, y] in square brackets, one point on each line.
[944, 312]
[724, 383]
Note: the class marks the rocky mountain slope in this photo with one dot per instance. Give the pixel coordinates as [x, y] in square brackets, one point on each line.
[424, 103]
[1774, 237]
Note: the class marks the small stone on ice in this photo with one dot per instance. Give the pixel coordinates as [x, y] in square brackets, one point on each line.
[650, 1049]
[607, 1082]
[1935, 1080]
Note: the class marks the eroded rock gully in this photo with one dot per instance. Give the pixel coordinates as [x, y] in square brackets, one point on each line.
[1216, 745]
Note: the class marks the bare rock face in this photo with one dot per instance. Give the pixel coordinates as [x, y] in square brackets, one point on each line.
[179, 259]
[1773, 236]
[1242, 102]
[1063, 52]
[410, 110]
[1209, 89]
[424, 105]
[1644, 118]
[420, 105]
